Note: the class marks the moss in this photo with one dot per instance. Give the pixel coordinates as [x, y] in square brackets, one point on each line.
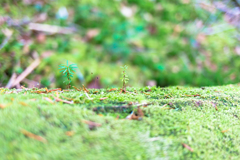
[206, 119]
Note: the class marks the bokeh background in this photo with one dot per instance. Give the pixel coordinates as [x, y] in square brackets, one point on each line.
[164, 42]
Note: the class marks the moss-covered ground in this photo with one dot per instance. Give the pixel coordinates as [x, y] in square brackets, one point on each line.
[176, 123]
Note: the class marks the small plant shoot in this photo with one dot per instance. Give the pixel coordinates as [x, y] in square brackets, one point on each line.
[67, 71]
[124, 78]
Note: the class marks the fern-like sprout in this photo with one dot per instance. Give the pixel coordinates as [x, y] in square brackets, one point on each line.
[124, 78]
[67, 71]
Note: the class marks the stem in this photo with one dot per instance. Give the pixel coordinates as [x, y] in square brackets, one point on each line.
[68, 86]
[124, 89]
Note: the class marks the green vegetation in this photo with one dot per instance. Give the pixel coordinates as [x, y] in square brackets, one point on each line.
[176, 123]
[67, 71]
[171, 42]
[164, 43]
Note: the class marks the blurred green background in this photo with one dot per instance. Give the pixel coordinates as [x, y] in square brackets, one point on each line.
[164, 42]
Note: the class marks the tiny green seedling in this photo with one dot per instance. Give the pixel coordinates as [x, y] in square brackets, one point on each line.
[124, 78]
[67, 71]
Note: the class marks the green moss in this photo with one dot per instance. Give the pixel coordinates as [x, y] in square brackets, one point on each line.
[208, 123]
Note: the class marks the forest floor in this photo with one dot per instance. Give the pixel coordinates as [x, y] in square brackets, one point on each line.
[143, 123]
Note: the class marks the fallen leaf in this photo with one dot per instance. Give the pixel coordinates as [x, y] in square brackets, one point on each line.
[85, 89]
[117, 117]
[113, 89]
[34, 99]
[100, 115]
[76, 88]
[92, 125]
[130, 103]
[39, 92]
[46, 90]
[196, 95]
[187, 147]
[224, 131]
[2, 106]
[23, 103]
[134, 117]
[33, 136]
[57, 89]
[103, 98]
[69, 133]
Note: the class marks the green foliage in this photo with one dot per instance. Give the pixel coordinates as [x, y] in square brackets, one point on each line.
[67, 71]
[171, 42]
